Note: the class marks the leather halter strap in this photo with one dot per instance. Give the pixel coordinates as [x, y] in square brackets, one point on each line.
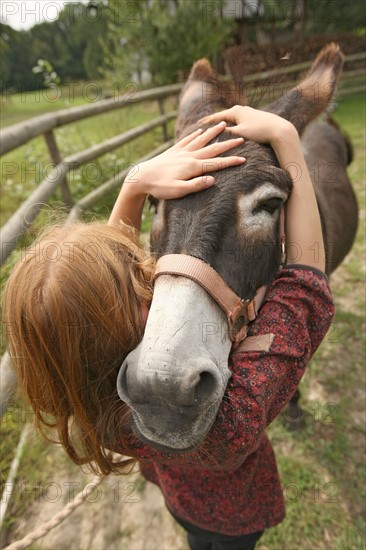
[204, 275]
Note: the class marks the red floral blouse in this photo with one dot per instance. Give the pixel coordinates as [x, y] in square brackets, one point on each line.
[230, 484]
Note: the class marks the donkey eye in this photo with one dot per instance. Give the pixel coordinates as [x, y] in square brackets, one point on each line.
[269, 206]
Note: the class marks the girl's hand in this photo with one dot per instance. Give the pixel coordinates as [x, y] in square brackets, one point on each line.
[175, 173]
[254, 124]
[303, 226]
[179, 170]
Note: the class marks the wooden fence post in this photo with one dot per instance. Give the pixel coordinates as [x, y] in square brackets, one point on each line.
[161, 102]
[56, 159]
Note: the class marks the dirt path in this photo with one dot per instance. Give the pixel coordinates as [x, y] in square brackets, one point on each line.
[121, 514]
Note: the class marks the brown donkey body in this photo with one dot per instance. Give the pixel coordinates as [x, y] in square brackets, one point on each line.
[175, 380]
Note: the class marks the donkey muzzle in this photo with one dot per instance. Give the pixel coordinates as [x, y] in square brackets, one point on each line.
[173, 404]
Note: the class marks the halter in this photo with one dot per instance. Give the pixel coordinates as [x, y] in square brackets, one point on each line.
[204, 275]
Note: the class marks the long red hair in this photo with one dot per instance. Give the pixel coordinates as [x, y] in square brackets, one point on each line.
[73, 311]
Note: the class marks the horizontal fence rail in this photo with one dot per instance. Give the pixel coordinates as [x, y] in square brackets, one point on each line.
[294, 69]
[21, 133]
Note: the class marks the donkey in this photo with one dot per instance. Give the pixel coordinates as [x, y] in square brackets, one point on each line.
[175, 379]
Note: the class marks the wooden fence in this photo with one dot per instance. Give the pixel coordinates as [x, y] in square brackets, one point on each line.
[21, 133]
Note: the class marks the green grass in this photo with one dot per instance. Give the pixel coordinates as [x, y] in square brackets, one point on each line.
[18, 107]
[322, 468]
[324, 464]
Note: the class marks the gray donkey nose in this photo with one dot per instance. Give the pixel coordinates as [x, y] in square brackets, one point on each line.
[157, 378]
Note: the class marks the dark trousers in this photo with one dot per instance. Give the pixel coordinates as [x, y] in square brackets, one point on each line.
[245, 542]
[199, 539]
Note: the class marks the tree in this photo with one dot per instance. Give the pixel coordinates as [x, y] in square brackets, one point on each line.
[5, 32]
[336, 16]
[16, 64]
[73, 44]
[167, 36]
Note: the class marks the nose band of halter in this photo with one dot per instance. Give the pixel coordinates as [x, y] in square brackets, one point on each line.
[204, 275]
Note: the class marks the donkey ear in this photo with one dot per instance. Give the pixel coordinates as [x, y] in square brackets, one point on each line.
[193, 100]
[315, 92]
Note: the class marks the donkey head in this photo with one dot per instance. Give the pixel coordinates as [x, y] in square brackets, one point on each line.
[175, 380]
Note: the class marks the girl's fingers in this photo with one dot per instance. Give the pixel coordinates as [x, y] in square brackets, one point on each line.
[185, 187]
[203, 182]
[206, 136]
[228, 115]
[220, 163]
[199, 139]
[197, 184]
[220, 147]
[188, 139]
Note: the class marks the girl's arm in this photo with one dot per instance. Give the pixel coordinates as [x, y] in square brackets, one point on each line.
[176, 172]
[303, 227]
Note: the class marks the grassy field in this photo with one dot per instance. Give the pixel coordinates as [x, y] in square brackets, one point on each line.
[323, 466]
[24, 168]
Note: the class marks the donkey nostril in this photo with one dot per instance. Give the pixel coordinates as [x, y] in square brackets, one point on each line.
[205, 387]
[122, 382]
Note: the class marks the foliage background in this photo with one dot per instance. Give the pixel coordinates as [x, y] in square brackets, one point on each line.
[122, 38]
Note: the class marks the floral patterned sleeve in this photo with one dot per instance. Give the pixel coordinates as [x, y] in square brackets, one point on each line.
[293, 320]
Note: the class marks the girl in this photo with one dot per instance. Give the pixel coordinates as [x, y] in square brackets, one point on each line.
[77, 302]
